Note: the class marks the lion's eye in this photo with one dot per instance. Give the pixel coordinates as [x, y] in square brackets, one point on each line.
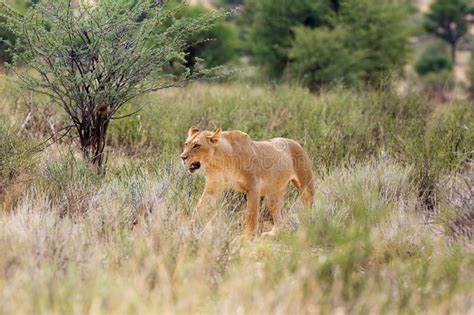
[196, 146]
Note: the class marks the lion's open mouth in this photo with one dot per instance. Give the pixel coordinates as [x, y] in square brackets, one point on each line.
[194, 166]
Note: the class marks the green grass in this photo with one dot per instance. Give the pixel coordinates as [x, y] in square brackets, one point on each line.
[129, 242]
[337, 127]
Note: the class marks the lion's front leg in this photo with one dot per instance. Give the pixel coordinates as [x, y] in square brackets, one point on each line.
[252, 212]
[208, 199]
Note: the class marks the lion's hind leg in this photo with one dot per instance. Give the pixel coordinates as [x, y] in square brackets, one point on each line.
[306, 191]
[303, 174]
[275, 204]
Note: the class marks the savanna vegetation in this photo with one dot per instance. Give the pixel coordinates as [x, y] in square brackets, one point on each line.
[390, 231]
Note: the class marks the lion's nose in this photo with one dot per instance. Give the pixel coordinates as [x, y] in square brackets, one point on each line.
[184, 157]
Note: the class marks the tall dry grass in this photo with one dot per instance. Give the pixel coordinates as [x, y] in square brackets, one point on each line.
[130, 242]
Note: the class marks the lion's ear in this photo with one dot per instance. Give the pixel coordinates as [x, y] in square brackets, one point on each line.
[192, 131]
[214, 138]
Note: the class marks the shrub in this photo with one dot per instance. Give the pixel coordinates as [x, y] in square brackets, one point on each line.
[376, 34]
[93, 61]
[216, 46]
[433, 62]
[7, 36]
[379, 29]
[319, 57]
[271, 29]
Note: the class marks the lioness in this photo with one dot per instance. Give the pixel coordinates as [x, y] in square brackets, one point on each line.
[257, 168]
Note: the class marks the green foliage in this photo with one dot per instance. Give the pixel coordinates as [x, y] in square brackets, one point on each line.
[5, 35]
[447, 20]
[378, 28]
[320, 57]
[271, 30]
[433, 62]
[372, 31]
[217, 46]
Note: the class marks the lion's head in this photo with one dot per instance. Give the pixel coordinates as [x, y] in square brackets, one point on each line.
[199, 147]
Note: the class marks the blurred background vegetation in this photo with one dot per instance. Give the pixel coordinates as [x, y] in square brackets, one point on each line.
[320, 43]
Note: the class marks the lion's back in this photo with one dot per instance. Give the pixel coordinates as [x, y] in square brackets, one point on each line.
[241, 143]
[236, 136]
[274, 162]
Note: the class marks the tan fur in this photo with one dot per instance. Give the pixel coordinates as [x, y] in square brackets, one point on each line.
[257, 168]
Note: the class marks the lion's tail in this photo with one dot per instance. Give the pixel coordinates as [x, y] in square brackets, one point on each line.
[304, 175]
